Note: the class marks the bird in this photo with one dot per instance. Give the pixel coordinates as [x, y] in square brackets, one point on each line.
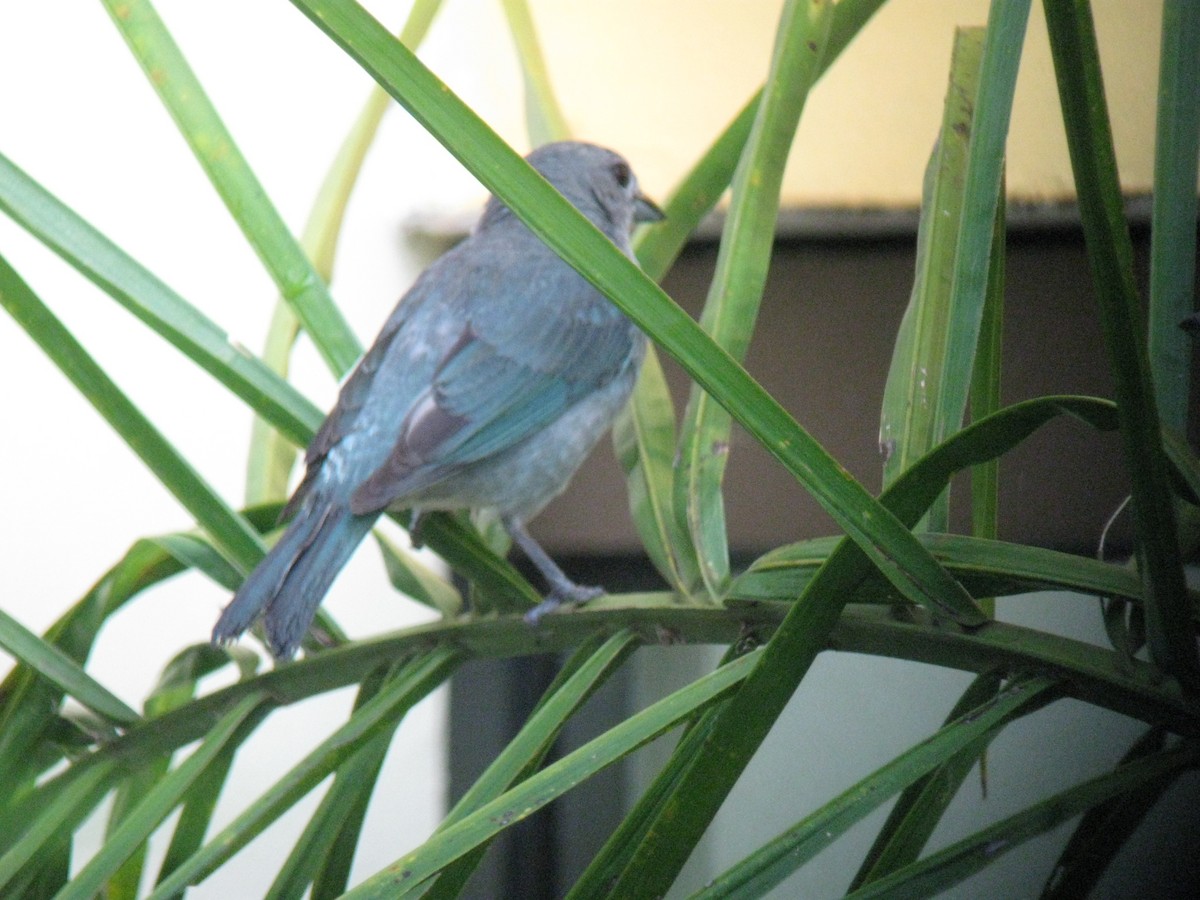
[488, 385]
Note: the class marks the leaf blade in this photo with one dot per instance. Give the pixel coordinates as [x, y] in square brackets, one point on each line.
[410, 871]
[230, 531]
[159, 801]
[51, 663]
[1173, 216]
[951, 865]
[774, 861]
[381, 712]
[1110, 254]
[184, 97]
[137, 289]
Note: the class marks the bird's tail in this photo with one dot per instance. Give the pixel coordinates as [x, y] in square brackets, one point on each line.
[291, 581]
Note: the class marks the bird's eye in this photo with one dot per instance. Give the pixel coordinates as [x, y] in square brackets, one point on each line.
[622, 174]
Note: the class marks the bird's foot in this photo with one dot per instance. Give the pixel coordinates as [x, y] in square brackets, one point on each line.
[569, 594]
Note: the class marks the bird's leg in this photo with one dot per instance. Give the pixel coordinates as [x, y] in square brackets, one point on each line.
[562, 589]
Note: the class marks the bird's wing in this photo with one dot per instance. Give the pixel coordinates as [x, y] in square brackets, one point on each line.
[526, 352]
[416, 306]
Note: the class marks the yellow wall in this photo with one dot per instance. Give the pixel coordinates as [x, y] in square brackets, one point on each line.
[658, 78]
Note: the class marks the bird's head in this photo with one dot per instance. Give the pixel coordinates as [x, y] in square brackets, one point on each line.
[598, 182]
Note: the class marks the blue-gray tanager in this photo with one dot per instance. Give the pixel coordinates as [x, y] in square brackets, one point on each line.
[487, 387]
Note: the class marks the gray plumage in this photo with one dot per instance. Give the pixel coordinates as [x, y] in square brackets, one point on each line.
[487, 387]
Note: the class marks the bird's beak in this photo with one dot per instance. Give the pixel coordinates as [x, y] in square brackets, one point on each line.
[646, 210]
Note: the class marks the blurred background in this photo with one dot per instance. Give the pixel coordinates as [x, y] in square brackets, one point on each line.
[656, 80]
